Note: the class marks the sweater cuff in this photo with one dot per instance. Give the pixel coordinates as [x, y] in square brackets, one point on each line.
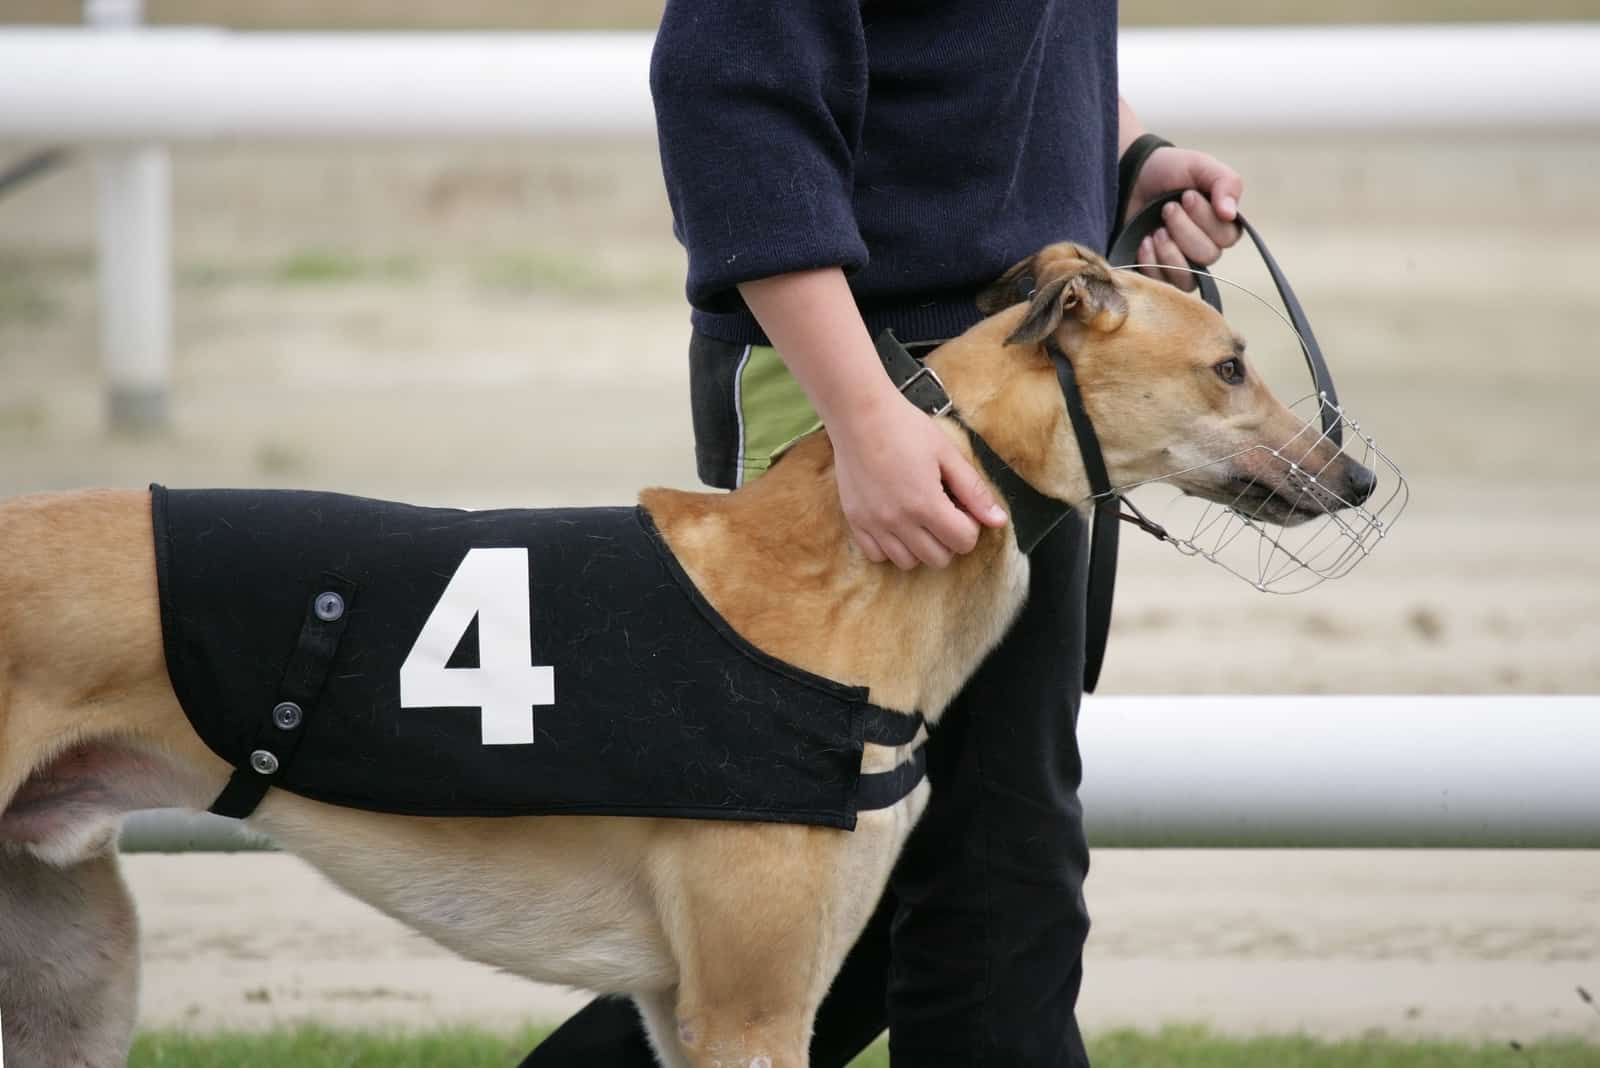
[796, 229]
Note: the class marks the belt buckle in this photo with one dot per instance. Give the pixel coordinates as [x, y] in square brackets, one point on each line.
[924, 371]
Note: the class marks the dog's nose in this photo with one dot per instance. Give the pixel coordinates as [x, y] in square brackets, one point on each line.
[1362, 482]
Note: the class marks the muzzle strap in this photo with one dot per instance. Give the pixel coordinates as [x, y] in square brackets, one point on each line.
[1105, 532]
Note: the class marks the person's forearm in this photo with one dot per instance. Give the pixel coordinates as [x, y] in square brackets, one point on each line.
[811, 319]
[1129, 128]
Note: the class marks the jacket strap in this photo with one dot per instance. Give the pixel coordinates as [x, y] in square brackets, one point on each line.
[280, 728]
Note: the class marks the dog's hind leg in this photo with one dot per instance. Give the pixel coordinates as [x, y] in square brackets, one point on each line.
[69, 961]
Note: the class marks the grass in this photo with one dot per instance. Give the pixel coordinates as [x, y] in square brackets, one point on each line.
[518, 274]
[305, 267]
[535, 271]
[568, 274]
[315, 1047]
[23, 302]
[315, 266]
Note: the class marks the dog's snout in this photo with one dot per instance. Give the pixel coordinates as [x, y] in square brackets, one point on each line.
[1362, 482]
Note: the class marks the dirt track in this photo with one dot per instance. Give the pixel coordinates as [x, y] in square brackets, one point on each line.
[502, 326]
[1485, 945]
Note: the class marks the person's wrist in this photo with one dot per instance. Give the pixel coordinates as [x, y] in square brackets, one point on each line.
[856, 409]
[1134, 176]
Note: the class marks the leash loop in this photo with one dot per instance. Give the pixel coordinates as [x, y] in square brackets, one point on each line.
[1125, 253]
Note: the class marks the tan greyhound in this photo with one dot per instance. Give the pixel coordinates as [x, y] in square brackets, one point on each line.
[727, 935]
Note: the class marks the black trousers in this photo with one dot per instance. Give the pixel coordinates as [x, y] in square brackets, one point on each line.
[974, 956]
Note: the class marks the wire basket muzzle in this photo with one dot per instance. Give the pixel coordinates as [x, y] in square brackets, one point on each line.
[1292, 515]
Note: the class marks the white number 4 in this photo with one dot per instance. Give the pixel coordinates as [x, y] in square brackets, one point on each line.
[491, 585]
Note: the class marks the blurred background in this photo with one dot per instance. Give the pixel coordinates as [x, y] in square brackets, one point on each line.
[502, 323]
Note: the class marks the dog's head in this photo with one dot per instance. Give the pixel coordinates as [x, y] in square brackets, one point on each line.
[1170, 390]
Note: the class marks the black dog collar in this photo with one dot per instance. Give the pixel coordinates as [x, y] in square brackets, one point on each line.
[1033, 513]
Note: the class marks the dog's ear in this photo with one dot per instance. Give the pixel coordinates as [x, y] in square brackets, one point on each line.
[1013, 287]
[1058, 280]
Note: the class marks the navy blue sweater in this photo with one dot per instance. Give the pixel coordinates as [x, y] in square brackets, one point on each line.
[923, 147]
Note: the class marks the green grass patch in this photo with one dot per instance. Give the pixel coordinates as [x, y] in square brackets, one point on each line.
[22, 301]
[316, 1047]
[303, 267]
[552, 272]
[1198, 1048]
[318, 266]
[571, 274]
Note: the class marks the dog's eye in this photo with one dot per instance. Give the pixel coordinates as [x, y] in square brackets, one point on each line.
[1230, 371]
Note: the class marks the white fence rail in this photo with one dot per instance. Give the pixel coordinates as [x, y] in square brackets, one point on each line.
[130, 91]
[187, 84]
[1472, 772]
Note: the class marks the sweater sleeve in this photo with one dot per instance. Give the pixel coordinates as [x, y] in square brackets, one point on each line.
[759, 106]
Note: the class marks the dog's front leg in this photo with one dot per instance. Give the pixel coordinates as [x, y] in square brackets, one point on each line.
[69, 961]
[659, 1010]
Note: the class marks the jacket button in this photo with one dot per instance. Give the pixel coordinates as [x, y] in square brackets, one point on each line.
[287, 715]
[329, 607]
[264, 762]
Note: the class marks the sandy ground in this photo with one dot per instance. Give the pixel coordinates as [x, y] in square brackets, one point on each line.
[1483, 945]
[499, 325]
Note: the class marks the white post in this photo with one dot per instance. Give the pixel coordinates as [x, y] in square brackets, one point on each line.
[133, 187]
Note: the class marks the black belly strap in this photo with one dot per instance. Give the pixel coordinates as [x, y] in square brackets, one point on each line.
[883, 789]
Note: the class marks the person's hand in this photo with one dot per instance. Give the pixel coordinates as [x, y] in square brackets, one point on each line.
[1195, 229]
[893, 464]
[908, 493]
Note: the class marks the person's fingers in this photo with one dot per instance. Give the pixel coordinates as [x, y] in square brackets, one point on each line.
[1222, 185]
[895, 550]
[970, 491]
[926, 547]
[1195, 244]
[869, 546]
[1223, 234]
[1148, 254]
[1168, 253]
[953, 529]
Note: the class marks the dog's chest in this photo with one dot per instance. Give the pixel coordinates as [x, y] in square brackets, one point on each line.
[446, 663]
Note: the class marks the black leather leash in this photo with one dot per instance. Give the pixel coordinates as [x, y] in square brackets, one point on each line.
[1125, 251]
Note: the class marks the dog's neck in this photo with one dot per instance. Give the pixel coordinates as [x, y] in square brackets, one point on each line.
[777, 558]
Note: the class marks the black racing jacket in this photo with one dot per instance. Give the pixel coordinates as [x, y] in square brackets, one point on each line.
[438, 662]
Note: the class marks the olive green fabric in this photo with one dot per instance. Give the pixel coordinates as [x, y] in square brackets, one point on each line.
[773, 410]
